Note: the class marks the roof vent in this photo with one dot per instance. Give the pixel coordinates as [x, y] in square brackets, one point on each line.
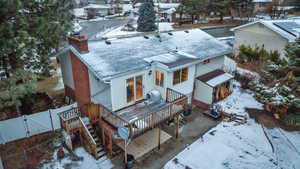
[146, 37]
[170, 33]
[108, 42]
[186, 31]
[158, 36]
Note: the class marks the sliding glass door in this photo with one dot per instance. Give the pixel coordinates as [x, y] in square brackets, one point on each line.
[130, 89]
[138, 87]
[134, 89]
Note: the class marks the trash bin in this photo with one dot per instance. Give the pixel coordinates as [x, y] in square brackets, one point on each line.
[130, 161]
[187, 109]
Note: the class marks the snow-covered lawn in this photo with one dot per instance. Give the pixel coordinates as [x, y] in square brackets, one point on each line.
[240, 146]
[163, 26]
[87, 162]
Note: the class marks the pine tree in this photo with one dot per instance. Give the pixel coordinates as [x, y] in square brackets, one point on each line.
[194, 8]
[29, 31]
[15, 88]
[146, 20]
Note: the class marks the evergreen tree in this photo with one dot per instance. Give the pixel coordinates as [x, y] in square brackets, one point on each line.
[29, 31]
[194, 8]
[221, 7]
[15, 88]
[146, 20]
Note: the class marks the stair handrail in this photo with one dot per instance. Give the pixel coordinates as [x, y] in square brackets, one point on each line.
[86, 129]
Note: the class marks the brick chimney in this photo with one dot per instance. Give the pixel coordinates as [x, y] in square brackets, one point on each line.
[79, 42]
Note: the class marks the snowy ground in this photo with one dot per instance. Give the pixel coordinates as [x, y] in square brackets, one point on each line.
[86, 162]
[231, 146]
[163, 26]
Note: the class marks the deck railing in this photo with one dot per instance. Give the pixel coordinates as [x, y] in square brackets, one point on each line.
[70, 114]
[116, 121]
[174, 96]
[174, 105]
[139, 126]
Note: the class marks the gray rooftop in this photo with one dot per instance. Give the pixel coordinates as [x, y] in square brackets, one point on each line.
[129, 54]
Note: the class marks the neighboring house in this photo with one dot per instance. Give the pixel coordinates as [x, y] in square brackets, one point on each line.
[260, 6]
[140, 82]
[181, 18]
[92, 10]
[166, 11]
[270, 34]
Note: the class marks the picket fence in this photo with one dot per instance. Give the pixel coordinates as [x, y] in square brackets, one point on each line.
[30, 125]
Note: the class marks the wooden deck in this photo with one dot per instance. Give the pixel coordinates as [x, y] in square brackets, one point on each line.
[145, 143]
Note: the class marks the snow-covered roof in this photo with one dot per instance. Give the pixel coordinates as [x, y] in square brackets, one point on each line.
[168, 5]
[172, 59]
[287, 28]
[97, 6]
[162, 5]
[219, 79]
[169, 11]
[127, 54]
[261, 1]
[214, 78]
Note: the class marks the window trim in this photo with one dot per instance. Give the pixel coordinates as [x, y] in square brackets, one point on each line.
[134, 88]
[180, 75]
[160, 82]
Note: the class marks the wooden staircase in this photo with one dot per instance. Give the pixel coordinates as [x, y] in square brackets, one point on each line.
[90, 139]
[99, 149]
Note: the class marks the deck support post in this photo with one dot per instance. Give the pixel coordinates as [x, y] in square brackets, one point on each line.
[159, 137]
[103, 135]
[177, 126]
[110, 151]
[125, 150]
[80, 136]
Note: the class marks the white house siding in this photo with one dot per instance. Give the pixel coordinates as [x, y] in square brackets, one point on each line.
[184, 87]
[100, 91]
[118, 88]
[215, 63]
[203, 92]
[259, 35]
[66, 69]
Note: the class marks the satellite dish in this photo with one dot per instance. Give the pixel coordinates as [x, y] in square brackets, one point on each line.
[123, 132]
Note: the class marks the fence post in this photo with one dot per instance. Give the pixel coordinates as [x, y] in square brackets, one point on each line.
[51, 119]
[26, 126]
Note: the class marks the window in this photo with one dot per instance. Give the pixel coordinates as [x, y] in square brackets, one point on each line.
[134, 88]
[180, 75]
[159, 79]
[139, 87]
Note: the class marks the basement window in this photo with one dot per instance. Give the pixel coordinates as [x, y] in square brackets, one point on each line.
[180, 75]
[159, 79]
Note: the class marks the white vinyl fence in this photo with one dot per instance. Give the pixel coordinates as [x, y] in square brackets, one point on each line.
[30, 125]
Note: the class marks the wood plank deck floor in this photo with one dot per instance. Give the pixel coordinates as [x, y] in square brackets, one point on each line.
[145, 143]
